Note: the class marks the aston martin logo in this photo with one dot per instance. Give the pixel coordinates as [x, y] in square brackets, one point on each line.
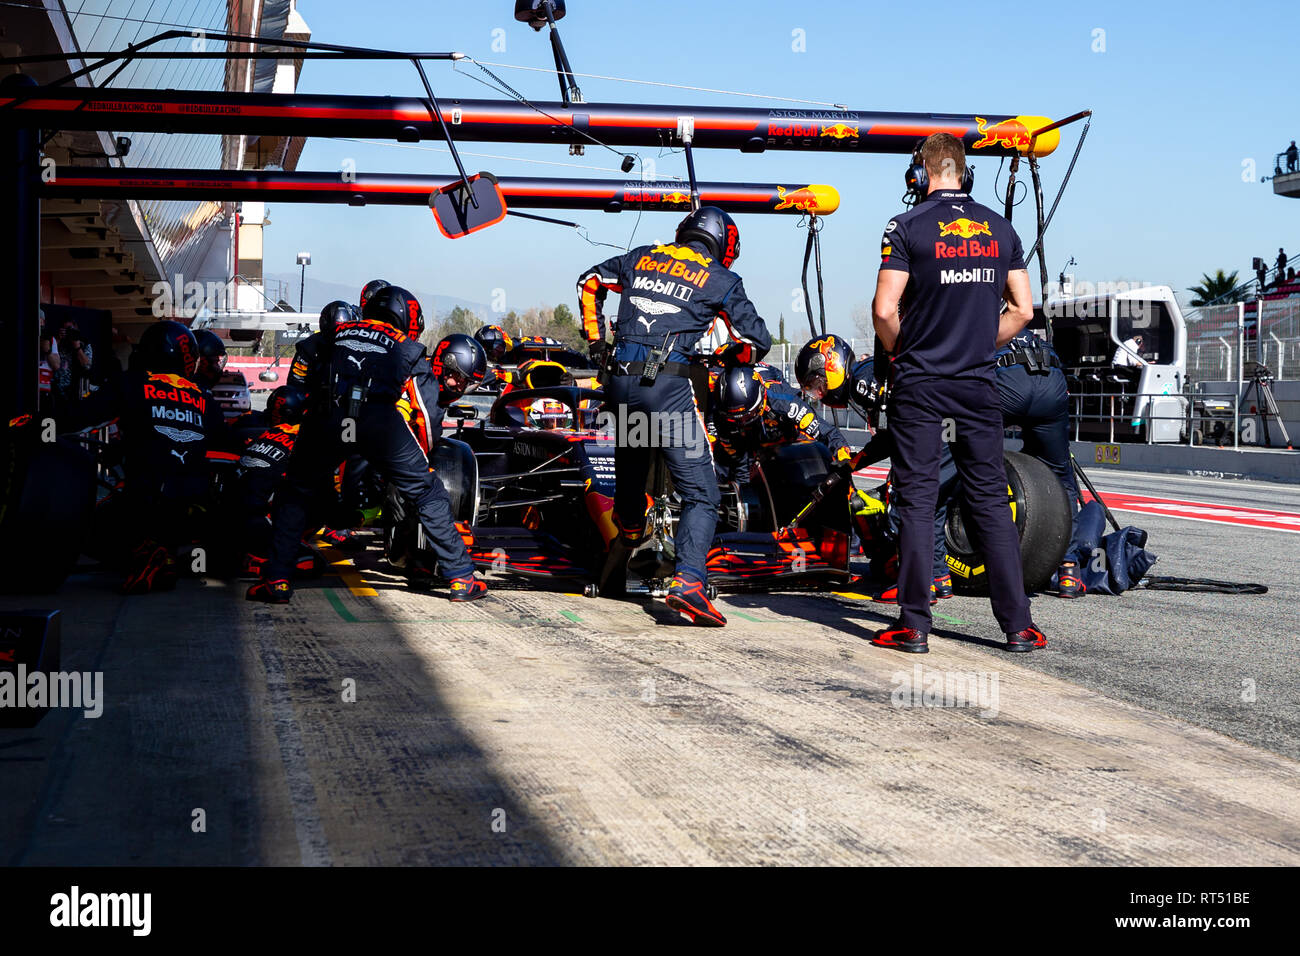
[651, 307]
[362, 346]
[178, 434]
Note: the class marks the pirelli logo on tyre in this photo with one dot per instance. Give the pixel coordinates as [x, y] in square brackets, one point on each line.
[949, 276]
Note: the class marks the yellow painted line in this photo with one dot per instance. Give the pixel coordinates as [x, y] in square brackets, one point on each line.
[853, 595]
[352, 578]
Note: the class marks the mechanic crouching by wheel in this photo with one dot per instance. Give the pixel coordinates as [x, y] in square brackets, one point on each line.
[1035, 396]
[671, 295]
[947, 264]
[373, 360]
[751, 416]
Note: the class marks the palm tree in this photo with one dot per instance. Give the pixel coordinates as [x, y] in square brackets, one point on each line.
[1219, 289]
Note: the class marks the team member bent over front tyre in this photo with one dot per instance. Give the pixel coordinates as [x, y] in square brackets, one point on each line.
[373, 360]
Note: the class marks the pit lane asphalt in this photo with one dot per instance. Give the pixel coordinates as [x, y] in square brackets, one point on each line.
[1182, 653]
[538, 727]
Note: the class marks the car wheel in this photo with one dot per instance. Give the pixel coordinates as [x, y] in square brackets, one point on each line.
[1041, 510]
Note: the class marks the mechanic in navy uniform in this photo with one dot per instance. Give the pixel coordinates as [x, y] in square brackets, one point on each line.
[828, 371]
[372, 363]
[947, 266]
[263, 461]
[750, 416]
[167, 423]
[671, 295]
[1035, 397]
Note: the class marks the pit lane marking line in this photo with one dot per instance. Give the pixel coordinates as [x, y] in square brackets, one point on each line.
[331, 595]
[854, 596]
[352, 578]
[1182, 509]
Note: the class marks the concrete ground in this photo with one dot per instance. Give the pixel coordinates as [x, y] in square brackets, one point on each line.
[532, 727]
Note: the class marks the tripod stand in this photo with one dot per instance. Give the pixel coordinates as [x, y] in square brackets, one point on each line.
[1261, 380]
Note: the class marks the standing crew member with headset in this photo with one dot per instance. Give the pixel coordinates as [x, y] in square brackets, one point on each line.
[671, 295]
[946, 266]
[828, 371]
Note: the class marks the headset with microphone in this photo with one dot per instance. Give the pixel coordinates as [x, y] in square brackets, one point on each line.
[917, 178]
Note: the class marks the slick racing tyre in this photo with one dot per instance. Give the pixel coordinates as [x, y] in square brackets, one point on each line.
[456, 467]
[1041, 511]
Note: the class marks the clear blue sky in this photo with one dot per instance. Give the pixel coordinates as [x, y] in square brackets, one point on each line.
[1183, 94]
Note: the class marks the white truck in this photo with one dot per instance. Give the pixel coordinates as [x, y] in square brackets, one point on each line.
[1141, 400]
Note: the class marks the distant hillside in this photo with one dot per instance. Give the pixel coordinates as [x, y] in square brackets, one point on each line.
[318, 292]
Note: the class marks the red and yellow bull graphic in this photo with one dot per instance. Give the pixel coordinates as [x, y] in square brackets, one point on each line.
[965, 228]
[816, 199]
[1016, 133]
[682, 254]
[840, 131]
[675, 266]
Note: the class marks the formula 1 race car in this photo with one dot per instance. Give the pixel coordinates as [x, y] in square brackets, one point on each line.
[532, 488]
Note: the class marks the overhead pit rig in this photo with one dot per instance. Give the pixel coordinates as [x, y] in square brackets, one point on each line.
[462, 203]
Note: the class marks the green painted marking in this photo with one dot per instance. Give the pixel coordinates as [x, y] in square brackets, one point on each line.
[339, 606]
[743, 615]
[572, 617]
[950, 620]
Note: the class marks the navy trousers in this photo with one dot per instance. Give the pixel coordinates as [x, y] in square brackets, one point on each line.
[1040, 406]
[663, 418]
[383, 438]
[917, 414]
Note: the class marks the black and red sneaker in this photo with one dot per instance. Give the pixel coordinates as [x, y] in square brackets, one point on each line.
[278, 591]
[152, 569]
[250, 567]
[467, 588]
[1027, 640]
[1068, 582]
[906, 639]
[687, 597]
[890, 594]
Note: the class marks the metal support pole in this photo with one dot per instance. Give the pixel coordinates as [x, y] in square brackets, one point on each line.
[1042, 256]
[20, 259]
[1236, 405]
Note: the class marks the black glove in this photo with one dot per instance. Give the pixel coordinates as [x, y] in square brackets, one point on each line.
[736, 353]
[597, 351]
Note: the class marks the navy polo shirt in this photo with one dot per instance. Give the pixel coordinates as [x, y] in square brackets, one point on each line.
[957, 254]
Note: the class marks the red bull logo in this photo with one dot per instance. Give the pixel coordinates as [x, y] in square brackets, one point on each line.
[1009, 134]
[840, 131]
[965, 228]
[682, 254]
[677, 198]
[805, 199]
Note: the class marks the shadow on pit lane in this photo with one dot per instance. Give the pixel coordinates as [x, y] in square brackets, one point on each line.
[851, 617]
[214, 703]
